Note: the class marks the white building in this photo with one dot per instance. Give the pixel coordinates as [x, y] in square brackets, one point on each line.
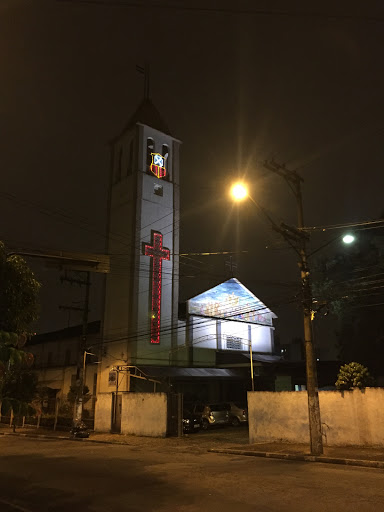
[227, 318]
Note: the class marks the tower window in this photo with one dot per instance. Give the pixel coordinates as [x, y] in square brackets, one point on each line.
[150, 150]
[119, 165]
[165, 153]
[158, 190]
[131, 158]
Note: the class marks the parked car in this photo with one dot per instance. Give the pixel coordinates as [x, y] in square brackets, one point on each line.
[191, 422]
[212, 414]
[238, 414]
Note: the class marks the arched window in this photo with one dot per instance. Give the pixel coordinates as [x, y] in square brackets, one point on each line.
[131, 158]
[165, 154]
[150, 150]
[119, 164]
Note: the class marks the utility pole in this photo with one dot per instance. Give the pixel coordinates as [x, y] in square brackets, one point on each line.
[298, 236]
[82, 354]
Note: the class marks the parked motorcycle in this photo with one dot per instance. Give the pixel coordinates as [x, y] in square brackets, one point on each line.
[79, 430]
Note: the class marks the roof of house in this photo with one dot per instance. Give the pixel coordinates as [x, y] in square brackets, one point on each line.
[231, 300]
[62, 334]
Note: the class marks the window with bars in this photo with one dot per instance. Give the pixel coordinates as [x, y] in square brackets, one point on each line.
[234, 343]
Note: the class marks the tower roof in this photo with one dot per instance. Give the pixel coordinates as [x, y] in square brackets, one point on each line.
[148, 114]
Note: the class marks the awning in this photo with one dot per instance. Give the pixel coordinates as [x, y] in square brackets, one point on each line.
[261, 358]
[179, 372]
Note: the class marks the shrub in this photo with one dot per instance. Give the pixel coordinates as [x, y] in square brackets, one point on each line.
[353, 375]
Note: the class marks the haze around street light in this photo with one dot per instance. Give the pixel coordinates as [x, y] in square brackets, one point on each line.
[239, 191]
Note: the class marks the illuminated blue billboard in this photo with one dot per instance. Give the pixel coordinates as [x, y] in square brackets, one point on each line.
[231, 301]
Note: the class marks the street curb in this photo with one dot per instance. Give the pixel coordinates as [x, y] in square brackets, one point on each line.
[62, 438]
[304, 458]
[248, 453]
[36, 436]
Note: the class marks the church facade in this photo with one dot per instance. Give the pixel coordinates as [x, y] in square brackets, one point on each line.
[141, 327]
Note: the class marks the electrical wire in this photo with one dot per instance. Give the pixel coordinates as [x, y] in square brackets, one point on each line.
[230, 11]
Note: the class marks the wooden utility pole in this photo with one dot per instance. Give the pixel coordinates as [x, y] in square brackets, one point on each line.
[80, 371]
[294, 181]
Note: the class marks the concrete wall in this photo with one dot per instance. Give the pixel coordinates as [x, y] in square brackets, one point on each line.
[103, 412]
[348, 418]
[144, 414]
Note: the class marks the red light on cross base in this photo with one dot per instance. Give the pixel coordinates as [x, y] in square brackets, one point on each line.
[158, 254]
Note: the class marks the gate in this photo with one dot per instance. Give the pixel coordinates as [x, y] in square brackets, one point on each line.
[175, 414]
[116, 413]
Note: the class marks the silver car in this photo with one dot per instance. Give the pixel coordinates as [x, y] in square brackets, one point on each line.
[213, 414]
[238, 414]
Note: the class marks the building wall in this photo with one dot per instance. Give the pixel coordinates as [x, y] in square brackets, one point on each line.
[348, 418]
[144, 414]
[135, 211]
[55, 363]
[207, 335]
[103, 412]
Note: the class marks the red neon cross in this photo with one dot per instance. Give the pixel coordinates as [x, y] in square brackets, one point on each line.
[158, 254]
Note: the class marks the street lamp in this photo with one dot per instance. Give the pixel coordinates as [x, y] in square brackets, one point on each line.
[299, 237]
[348, 239]
[239, 191]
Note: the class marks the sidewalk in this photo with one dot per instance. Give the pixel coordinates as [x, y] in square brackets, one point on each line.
[228, 441]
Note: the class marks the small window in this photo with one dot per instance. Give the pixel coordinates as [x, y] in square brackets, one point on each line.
[165, 151]
[234, 343]
[158, 190]
[150, 150]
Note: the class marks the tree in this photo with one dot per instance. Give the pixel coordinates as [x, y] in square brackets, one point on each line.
[18, 311]
[349, 285]
[353, 375]
[19, 291]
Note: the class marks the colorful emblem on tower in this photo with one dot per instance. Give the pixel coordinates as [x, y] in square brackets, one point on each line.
[158, 254]
[158, 165]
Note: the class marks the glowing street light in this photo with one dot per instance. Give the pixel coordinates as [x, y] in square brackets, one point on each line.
[348, 239]
[239, 191]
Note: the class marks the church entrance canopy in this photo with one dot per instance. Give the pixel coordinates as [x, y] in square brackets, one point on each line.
[176, 372]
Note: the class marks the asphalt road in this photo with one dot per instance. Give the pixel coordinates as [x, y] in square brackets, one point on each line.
[45, 475]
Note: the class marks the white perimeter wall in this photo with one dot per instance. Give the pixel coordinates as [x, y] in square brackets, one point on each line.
[348, 418]
[144, 414]
[103, 412]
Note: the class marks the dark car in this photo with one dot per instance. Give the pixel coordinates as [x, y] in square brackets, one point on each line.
[191, 422]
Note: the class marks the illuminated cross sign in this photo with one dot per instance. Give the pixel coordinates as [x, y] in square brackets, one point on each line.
[158, 254]
[158, 165]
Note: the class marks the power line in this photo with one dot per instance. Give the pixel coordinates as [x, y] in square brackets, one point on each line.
[343, 226]
[222, 10]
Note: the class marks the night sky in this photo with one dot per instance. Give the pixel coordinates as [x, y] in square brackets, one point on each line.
[304, 86]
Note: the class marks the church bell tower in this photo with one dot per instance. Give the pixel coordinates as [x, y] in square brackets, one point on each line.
[141, 293]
